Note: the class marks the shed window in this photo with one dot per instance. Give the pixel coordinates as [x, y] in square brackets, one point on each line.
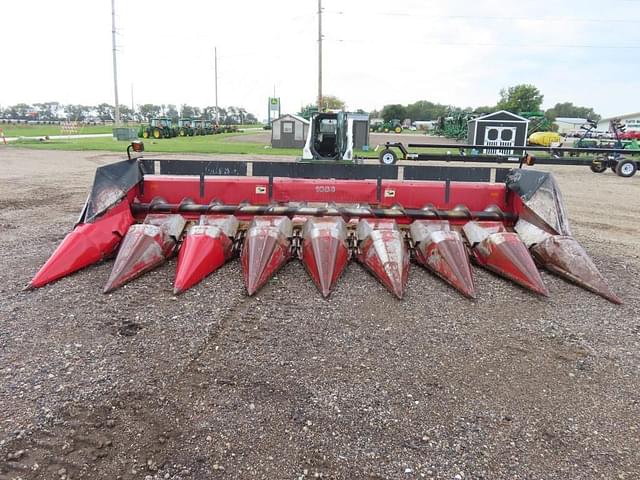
[287, 127]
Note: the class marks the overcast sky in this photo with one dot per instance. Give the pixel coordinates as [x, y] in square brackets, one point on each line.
[459, 52]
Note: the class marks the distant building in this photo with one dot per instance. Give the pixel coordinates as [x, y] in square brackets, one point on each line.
[289, 131]
[498, 129]
[631, 120]
[568, 124]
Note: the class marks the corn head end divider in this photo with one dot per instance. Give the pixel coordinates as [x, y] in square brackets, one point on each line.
[143, 211]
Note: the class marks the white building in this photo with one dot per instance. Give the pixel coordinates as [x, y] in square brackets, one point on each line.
[567, 124]
[631, 120]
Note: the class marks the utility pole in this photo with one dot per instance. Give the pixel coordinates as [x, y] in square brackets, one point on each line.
[215, 66]
[133, 109]
[319, 55]
[115, 63]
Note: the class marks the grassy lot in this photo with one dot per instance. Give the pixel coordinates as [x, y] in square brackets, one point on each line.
[42, 130]
[204, 144]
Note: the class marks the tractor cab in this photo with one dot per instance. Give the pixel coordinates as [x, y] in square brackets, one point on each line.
[185, 127]
[330, 137]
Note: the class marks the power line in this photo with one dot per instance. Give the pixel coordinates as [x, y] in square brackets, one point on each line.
[507, 45]
[488, 17]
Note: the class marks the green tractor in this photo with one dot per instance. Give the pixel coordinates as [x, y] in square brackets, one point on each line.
[159, 128]
[209, 127]
[393, 125]
[198, 127]
[186, 127]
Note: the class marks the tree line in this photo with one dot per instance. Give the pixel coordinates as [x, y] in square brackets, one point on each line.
[516, 99]
[56, 111]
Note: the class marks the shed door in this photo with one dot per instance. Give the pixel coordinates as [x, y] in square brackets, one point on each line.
[287, 133]
[499, 137]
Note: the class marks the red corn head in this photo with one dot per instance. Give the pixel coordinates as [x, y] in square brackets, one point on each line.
[564, 256]
[267, 247]
[145, 246]
[206, 247]
[442, 251]
[85, 245]
[382, 250]
[503, 253]
[325, 253]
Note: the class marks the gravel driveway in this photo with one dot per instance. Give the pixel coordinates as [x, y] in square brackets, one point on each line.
[140, 384]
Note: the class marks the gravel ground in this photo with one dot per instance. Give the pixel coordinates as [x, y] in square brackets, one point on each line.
[139, 384]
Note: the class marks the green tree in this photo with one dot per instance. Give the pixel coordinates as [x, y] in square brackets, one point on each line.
[76, 112]
[425, 110]
[126, 114]
[568, 109]
[105, 111]
[172, 112]
[148, 111]
[19, 111]
[520, 98]
[331, 102]
[395, 111]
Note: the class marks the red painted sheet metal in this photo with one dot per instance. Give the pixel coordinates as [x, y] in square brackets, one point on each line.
[324, 190]
[417, 194]
[87, 244]
[409, 194]
[206, 247]
[231, 190]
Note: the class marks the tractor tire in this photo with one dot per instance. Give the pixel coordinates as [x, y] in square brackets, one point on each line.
[598, 166]
[157, 133]
[183, 132]
[398, 129]
[388, 157]
[626, 168]
[385, 130]
[145, 133]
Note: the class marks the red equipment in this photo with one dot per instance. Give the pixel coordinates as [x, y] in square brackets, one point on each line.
[324, 214]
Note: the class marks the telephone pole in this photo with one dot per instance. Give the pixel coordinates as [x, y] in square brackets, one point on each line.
[215, 67]
[319, 55]
[115, 63]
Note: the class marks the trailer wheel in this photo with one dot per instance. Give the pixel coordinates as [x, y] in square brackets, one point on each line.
[598, 166]
[388, 157]
[626, 168]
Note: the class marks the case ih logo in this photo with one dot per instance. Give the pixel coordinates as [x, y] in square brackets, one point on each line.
[325, 188]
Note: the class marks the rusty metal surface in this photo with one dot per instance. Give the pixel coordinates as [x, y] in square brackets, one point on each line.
[504, 254]
[383, 251]
[325, 252]
[564, 256]
[442, 251]
[144, 247]
[266, 248]
[542, 200]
